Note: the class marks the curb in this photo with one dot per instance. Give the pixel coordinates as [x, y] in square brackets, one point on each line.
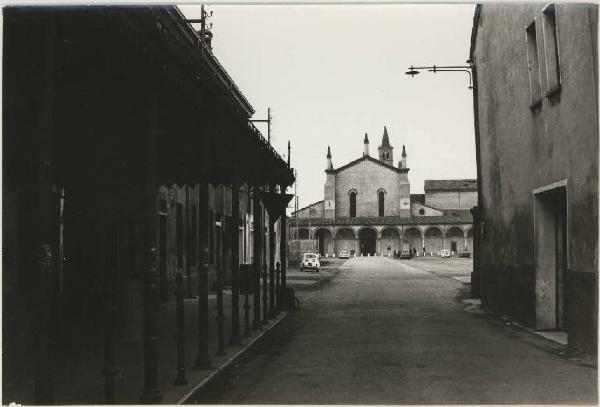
[214, 374]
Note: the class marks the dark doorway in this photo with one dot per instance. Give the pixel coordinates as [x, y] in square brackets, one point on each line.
[551, 257]
[162, 251]
[367, 241]
[453, 246]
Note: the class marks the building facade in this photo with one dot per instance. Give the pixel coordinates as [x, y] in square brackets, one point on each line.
[368, 210]
[536, 115]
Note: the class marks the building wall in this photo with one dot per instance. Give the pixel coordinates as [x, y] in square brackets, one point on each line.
[525, 148]
[313, 211]
[451, 199]
[415, 209]
[366, 178]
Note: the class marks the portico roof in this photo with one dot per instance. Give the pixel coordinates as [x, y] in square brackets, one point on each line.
[458, 216]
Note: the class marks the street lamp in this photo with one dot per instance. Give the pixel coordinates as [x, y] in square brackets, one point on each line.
[415, 70]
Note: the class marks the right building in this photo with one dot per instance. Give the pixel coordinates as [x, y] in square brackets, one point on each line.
[536, 122]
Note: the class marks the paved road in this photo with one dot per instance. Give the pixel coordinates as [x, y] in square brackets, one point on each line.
[390, 333]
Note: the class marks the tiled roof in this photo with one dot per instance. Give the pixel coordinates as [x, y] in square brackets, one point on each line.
[455, 216]
[450, 185]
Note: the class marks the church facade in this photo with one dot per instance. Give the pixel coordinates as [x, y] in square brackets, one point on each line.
[367, 209]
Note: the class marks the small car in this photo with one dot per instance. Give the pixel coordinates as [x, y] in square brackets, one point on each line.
[310, 261]
[445, 253]
[344, 254]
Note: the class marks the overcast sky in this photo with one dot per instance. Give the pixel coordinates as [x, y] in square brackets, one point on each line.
[330, 73]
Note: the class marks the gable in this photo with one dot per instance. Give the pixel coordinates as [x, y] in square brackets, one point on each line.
[367, 163]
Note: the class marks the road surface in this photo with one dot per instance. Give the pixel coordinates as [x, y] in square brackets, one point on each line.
[390, 332]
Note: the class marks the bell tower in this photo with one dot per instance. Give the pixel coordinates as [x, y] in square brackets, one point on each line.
[386, 151]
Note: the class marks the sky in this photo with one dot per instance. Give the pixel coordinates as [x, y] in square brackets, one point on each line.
[330, 73]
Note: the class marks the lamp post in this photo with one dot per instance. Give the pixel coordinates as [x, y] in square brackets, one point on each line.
[415, 70]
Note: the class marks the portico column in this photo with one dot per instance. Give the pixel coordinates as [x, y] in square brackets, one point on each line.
[235, 338]
[283, 242]
[257, 257]
[465, 235]
[272, 266]
[150, 393]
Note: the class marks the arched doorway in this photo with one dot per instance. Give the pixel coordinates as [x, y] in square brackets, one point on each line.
[367, 240]
[434, 240]
[413, 237]
[455, 239]
[324, 241]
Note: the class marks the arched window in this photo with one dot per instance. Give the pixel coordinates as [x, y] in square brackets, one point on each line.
[353, 204]
[381, 202]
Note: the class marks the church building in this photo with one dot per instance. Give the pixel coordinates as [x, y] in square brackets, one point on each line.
[367, 209]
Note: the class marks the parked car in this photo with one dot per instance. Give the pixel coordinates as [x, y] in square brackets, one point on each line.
[310, 261]
[344, 254]
[445, 253]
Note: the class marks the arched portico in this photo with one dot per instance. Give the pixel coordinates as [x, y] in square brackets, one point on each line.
[455, 239]
[389, 241]
[367, 241]
[303, 234]
[324, 241]
[434, 240]
[469, 240]
[414, 238]
[345, 239]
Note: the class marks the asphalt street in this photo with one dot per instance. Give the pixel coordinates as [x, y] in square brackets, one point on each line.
[390, 332]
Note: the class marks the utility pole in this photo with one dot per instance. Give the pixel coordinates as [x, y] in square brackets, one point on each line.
[268, 121]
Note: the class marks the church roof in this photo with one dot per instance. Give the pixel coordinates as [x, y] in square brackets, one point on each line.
[455, 216]
[450, 185]
[366, 140]
[368, 158]
[385, 142]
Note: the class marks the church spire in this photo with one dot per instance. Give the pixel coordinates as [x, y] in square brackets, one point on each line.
[386, 151]
[403, 161]
[329, 163]
[366, 145]
[386, 140]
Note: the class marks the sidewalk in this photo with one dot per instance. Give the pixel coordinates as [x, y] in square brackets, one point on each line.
[80, 381]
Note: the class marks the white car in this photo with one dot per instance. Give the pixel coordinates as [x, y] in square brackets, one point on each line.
[310, 261]
[344, 254]
[445, 253]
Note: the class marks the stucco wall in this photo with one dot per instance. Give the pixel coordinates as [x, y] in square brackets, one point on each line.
[416, 207]
[316, 211]
[523, 149]
[367, 178]
[451, 199]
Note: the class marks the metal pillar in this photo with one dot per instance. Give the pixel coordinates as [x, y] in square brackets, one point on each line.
[203, 359]
[272, 311]
[283, 242]
[235, 338]
[220, 316]
[180, 334]
[257, 259]
[150, 393]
